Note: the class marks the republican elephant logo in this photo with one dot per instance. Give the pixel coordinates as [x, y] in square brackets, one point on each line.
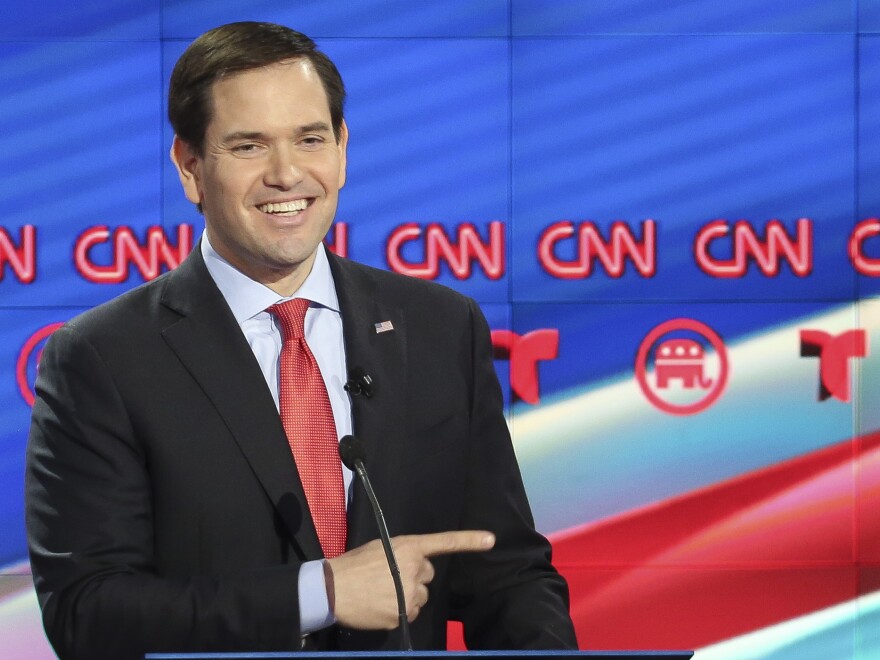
[681, 359]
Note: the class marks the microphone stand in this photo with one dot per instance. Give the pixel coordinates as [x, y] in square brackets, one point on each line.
[352, 454]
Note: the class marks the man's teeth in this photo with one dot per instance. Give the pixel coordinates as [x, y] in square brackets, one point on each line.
[284, 207]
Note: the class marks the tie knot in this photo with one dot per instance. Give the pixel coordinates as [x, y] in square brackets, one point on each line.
[291, 314]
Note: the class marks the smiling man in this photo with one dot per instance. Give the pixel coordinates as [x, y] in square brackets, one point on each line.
[268, 171]
[184, 490]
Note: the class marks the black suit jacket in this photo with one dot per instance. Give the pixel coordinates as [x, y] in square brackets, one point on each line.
[164, 509]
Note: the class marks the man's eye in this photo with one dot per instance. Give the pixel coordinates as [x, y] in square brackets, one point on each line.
[312, 141]
[247, 148]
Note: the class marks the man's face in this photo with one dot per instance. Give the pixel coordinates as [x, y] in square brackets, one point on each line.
[269, 179]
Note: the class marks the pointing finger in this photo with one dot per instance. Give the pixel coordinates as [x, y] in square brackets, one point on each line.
[444, 543]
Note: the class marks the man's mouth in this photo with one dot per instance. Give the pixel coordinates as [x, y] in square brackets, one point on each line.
[284, 208]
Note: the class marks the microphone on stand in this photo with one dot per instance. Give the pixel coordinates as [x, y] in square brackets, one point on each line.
[352, 453]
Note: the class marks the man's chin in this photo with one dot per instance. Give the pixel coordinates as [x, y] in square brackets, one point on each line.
[288, 268]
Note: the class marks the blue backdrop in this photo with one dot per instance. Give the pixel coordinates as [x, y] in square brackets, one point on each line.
[590, 169]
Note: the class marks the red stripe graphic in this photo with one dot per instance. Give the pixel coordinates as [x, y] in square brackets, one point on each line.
[731, 558]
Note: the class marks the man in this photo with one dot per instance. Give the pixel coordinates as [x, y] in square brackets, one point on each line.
[167, 506]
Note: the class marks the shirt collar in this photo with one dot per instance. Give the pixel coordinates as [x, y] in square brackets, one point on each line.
[247, 298]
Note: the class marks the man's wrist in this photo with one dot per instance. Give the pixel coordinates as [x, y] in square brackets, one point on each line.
[331, 590]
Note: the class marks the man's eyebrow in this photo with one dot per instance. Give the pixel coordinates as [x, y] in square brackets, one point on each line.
[243, 135]
[314, 127]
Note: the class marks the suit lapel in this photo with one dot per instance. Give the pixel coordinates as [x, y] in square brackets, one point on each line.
[378, 420]
[213, 349]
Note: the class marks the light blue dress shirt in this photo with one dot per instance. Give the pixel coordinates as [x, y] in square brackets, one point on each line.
[248, 301]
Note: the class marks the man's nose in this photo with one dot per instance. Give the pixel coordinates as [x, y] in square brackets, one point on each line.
[283, 170]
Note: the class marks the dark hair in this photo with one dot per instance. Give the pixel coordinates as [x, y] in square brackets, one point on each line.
[240, 47]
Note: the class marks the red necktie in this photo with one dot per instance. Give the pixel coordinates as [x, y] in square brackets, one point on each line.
[308, 421]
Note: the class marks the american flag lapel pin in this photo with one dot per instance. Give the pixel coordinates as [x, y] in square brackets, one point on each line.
[384, 326]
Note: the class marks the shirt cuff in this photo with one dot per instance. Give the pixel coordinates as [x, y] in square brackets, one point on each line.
[314, 610]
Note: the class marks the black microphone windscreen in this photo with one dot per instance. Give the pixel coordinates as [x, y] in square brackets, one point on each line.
[351, 449]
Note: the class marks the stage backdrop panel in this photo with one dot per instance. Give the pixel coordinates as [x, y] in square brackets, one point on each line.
[669, 213]
[677, 145]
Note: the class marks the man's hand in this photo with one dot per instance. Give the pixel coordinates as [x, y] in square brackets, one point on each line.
[363, 590]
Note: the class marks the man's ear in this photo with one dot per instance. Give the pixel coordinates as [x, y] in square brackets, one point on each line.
[187, 163]
[343, 147]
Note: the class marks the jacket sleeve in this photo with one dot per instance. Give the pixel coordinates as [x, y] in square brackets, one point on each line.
[511, 597]
[89, 518]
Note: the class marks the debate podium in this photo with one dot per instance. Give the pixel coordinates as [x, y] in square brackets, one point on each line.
[434, 655]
